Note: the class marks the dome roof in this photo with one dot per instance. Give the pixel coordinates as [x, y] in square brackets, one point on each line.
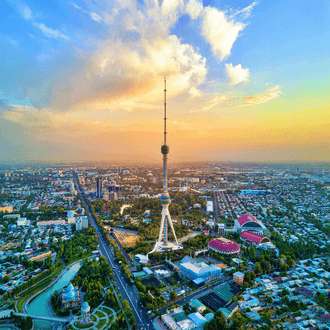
[224, 245]
[69, 288]
[85, 307]
[243, 219]
[70, 295]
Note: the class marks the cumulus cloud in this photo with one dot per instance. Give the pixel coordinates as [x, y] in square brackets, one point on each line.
[270, 94]
[126, 70]
[194, 8]
[127, 73]
[237, 74]
[220, 32]
[125, 76]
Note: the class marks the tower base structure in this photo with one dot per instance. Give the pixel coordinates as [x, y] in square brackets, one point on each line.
[162, 243]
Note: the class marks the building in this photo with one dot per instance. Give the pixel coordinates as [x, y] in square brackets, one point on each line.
[99, 187]
[6, 209]
[40, 256]
[250, 223]
[198, 305]
[115, 189]
[193, 271]
[71, 215]
[70, 297]
[254, 238]
[209, 207]
[78, 223]
[85, 314]
[50, 222]
[84, 222]
[238, 278]
[113, 196]
[22, 222]
[224, 246]
[221, 229]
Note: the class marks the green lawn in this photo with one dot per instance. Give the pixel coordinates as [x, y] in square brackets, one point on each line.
[93, 318]
[99, 314]
[107, 310]
[101, 324]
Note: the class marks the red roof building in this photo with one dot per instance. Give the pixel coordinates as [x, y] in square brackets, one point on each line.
[250, 223]
[254, 238]
[224, 246]
[246, 218]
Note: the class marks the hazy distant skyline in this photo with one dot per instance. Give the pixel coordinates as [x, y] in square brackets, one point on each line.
[83, 80]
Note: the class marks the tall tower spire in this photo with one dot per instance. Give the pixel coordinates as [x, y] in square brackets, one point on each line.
[162, 243]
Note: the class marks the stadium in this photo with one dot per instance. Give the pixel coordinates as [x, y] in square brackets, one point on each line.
[250, 223]
[224, 246]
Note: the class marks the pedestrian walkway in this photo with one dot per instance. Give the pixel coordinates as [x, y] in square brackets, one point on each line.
[103, 315]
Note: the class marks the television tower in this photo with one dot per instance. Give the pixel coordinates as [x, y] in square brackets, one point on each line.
[162, 243]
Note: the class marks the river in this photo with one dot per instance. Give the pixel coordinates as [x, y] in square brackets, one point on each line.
[39, 305]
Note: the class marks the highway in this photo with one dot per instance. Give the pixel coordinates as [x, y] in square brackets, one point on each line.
[126, 289]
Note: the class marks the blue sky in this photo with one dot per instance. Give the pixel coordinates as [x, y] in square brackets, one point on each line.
[92, 63]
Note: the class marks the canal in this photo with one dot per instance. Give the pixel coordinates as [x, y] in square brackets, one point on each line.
[40, 306]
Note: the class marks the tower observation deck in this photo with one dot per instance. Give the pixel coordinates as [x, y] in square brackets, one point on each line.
[163, 244]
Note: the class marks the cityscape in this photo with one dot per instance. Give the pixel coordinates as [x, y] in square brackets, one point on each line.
[164, 165]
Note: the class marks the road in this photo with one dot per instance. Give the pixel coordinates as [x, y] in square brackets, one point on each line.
[126, 289]
[196, 295]
[216, 207]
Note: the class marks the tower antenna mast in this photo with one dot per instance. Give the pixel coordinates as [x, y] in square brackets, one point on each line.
[165, 111]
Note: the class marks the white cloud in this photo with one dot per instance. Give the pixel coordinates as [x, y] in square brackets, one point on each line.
[194, 8]
[50, 33]
[214, 101]
[96, 17]
[270, 94]
[26, 12]
[245, 11]
[195, 93]
[237, 74]
[76, 6]
[220, 32]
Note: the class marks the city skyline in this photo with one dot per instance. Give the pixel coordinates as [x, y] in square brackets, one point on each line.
[83, 82]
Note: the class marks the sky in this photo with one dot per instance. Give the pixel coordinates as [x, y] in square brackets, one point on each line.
[84, 80]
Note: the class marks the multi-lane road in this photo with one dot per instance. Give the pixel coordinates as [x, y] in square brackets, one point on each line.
[126, 289]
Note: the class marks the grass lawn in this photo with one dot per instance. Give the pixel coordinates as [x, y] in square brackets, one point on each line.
[101, 324]
[110, 321]
[107, 310]
[93, 318]
[99, 314]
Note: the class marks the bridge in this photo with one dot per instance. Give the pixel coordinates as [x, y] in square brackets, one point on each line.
[47, 318]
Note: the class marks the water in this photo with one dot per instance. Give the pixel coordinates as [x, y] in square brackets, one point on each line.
[39, 305]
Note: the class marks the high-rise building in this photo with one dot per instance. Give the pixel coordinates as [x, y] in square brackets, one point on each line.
[116, 189]
[163, 244]
[99, 187]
